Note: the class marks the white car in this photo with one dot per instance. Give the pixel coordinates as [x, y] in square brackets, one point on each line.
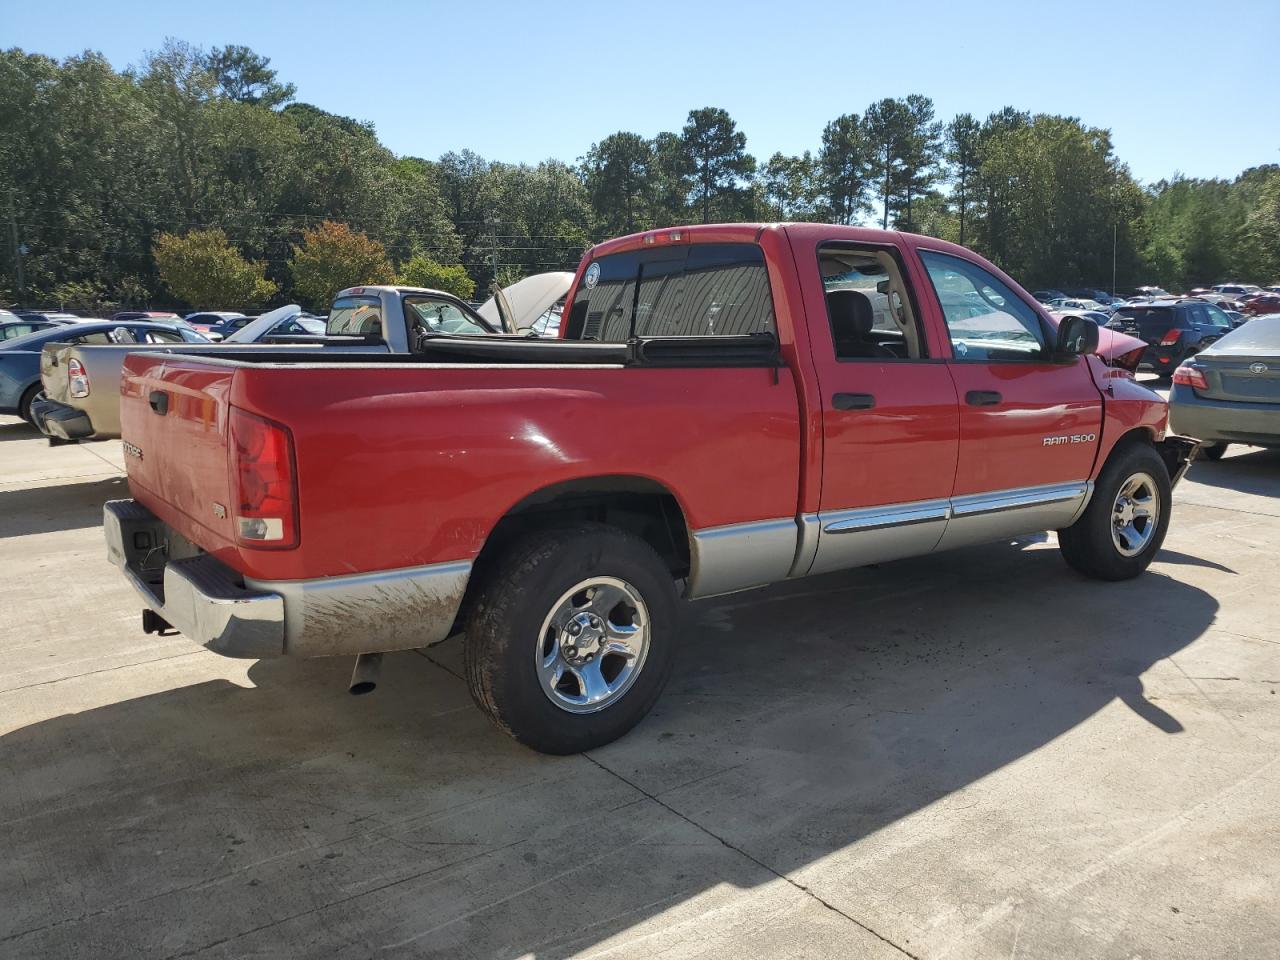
[529, 306]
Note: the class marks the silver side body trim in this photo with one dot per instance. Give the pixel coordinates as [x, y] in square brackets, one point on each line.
[984, 517]
[739, 556]
[854, 538]
[745, 555]
[371, 612]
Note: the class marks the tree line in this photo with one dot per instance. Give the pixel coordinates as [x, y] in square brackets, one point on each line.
[195, 175]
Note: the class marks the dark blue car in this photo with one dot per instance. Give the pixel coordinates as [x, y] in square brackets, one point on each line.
[20, 357]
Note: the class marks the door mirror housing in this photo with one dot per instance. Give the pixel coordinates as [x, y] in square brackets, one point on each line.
[1077, 336]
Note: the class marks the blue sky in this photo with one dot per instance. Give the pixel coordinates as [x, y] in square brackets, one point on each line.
[1183, 86]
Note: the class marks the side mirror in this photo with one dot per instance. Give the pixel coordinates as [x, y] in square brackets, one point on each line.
[1077, 336]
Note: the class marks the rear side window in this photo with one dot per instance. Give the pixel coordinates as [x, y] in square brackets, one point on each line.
[698, 290]
[355, 317]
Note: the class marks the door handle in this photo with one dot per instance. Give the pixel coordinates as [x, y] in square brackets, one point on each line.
[159, 401]
[853, 401]
[982, 398]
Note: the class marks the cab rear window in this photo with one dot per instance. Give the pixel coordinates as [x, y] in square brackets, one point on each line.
[695, 290]
[355, 317]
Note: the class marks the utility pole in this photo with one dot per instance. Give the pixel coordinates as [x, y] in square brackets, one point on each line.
[17, 254]
[1115, 239]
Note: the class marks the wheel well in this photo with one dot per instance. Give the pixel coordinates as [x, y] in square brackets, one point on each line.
[638, 505]
[1136, 435]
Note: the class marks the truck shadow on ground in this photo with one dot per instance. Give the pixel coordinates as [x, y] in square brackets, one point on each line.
[31, 511]
[286, 818]
[1255, 471]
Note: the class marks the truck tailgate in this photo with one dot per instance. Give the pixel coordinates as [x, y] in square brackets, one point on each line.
[174, 413]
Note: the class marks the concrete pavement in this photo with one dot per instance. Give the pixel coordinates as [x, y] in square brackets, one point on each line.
[970, 755]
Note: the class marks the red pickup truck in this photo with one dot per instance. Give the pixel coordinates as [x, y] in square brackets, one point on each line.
[728, 406]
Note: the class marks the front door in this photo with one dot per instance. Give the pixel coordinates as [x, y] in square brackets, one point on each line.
[1029, 427]
[890, 425]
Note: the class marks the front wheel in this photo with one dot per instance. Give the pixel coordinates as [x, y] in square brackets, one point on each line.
[1124, 525]
[34, 392]
[570, 640]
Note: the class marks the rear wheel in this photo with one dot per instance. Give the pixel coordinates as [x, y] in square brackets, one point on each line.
[571, 636]
[34, 392]
[1124, 525]
[1212, 451]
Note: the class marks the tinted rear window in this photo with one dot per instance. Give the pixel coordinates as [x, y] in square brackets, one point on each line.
[355, 316]
[698, 290]
[1149, 320]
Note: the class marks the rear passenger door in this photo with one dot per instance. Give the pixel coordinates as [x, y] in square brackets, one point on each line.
[890, 425]
[1028, 426]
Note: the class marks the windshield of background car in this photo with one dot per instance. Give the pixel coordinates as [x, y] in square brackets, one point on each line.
[355, 317]
[694, 290]
[1150, 321]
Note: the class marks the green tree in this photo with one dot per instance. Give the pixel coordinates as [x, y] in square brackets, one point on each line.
[717, 158]
[247, 77]
[422, 271]
[789, 186]
[203, 269]
[962, 154]
[332, 257]
[617, 175]
[844, 165]
[921, 148]
[887, 124]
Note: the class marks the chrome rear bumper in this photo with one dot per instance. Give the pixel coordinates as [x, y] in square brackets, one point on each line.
[198, 596]
[210, 603]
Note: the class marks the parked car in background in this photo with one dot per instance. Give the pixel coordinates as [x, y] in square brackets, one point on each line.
[1077, 304]
[1262, 303]
[206, 320]
[1172, 329]
[295, 324]
[1235, 316]
[561, 509]
[52, 316]
[1230, 391]
[144, 315]
[1152, 293]
[532, 305]
[1236, 290]
[1045, 296]
[20, 328]
[20, 386]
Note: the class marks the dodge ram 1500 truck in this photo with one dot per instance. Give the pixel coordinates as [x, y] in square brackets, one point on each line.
[728, 406]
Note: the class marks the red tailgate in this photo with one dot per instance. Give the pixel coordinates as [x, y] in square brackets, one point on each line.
[173, 414]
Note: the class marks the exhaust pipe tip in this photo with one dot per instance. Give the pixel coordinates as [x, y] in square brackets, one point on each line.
[364, 675]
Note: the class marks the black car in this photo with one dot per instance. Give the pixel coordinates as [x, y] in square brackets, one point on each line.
[1173, 330]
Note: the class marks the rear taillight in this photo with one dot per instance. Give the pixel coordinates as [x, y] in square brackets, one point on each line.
[77, 379]
[1170, 338]
[264, 482]
[1190, 376]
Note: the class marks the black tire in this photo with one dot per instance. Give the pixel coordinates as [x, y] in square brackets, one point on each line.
[1088, 545]
[28, 398]
[1212, 451]
[515, 598]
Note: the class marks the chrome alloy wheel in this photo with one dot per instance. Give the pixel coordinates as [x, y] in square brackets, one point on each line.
[1135, 514]
[593, 645]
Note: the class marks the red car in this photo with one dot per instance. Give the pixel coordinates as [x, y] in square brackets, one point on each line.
[1262, 303]
[730, 406]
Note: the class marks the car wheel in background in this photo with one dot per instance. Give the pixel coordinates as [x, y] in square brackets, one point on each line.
[34, 392]
[1124, 525]
[570, 639]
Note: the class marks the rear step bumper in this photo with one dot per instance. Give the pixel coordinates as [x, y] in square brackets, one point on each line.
[59, 421]
[210, 603]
